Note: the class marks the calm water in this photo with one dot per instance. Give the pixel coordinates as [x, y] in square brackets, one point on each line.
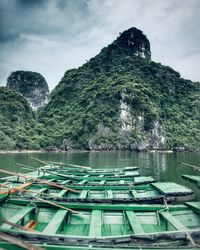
[162, 166]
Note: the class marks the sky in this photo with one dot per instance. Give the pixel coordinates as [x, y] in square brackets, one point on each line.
[52, 36]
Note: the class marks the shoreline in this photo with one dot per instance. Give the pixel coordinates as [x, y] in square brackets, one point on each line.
[83, 151]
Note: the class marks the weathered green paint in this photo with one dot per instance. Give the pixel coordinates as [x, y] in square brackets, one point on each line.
[195, 206]
[173, 221]
[170, 187]
[134, 222]
[109, 194]
[56, 222]
[17, 217]
[95, 224]
[83, 194]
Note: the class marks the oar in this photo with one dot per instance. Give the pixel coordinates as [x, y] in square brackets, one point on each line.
[28, 191]
[78, 166]
[20, 243]
[56, 205]
[68, 164]
[45, 162]
[49, 202]
[16, 225]
[38, 180]
[26, 166]
[190, 165]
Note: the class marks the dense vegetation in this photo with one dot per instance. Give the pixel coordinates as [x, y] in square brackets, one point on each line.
[91, 95]
[17, 121]
[88, 101]
[26, 82]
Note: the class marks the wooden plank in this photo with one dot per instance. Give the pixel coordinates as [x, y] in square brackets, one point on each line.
[102, 182]
[102, 175]
[83, 194]
[109, 194]
[17, 217]
[135, 193]
[170, 188]
[86, 176]
[56, 222]
[134, 222]
[121, 182]
[95, 224]
[82, 182]
[178, 225]
[61, 193]
[145, 179]
[195, 206]
[39, 191]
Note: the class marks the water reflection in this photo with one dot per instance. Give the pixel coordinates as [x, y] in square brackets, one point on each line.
[162, 166]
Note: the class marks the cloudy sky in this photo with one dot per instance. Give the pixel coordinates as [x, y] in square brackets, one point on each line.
[51, 36]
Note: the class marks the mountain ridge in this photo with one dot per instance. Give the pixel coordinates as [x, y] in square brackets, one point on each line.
[120, 99]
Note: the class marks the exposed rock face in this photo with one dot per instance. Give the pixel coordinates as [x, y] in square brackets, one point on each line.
[31, 85]
[120, 99]
[134, 41]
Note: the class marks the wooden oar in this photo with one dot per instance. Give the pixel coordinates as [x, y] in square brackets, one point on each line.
[78, 166]
[38, 180]
[18, 226]
[15, 189]
[56, 205]
[45, 162]
[190, 165]
[20, 243]
[26, 166]
[49, 202]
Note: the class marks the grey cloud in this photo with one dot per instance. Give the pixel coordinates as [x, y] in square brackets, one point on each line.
[51, 36]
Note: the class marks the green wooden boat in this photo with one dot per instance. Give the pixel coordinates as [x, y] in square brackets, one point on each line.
[91, 172]
[157, 192]
[103, 225]
[193, 178]
[10, 246]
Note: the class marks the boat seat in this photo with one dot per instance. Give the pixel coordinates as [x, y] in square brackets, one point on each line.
[62, 193]
[17, 217]
[82, 182]
[135, 193]
[102, 182]
[178, 225]
[95, 224]
[83, 194]
[134, 222]
[56, 222]
[195, 206]
[39, 191]
[109, 194]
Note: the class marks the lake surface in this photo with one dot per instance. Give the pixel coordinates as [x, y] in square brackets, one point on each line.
[162, 166]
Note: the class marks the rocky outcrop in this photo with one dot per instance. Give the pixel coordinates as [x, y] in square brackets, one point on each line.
[135, 41]
[31, 85]
[120, 99]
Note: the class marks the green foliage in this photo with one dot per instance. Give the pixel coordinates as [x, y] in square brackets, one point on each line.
[91, 95]
[85, 106]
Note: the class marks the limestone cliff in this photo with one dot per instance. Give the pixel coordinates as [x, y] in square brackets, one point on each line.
[31, 85]
[120, 99]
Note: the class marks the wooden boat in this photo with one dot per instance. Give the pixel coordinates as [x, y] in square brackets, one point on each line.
[104, 225]
[92, 172]
[193, 178]
[157, 192]
[10, 246]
